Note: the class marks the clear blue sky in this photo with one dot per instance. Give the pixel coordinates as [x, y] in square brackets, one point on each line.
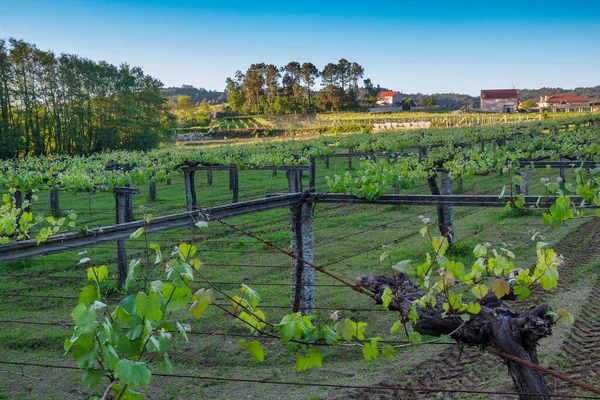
[409, 45]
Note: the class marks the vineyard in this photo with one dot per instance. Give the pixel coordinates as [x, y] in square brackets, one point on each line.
[235, 126]
[390, 265]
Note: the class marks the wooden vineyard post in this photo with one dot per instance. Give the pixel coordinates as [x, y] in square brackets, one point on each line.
[327, 162]
[190, 189]
[54, 201]
[312, 185]
[302, 244]
[124, 212]
[209, 177]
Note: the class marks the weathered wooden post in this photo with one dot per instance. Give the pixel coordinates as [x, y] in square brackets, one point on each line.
[54, 201]
[327, 162]
[312, 180]
[209, 177]
[302, 244]
[124, 212]
[190, 188]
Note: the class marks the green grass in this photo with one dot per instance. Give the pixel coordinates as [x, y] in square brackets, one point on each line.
[226, 256]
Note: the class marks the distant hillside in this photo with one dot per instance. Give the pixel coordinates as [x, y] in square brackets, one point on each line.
[196, 94]
[457, 99]
[592, 93]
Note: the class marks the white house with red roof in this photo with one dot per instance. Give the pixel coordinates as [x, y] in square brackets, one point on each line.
[389, 99]
[563, 100]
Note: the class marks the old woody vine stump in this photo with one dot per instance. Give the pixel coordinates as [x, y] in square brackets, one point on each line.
[441, 304]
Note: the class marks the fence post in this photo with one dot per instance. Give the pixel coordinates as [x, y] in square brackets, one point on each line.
[302, 244]
[124, 212]
[54, 201]
[190, 189]
[235, 184]
[152, 188]
[209, 177]
[231, 178]
[524, 188]
[327, 162]
[445, 221]
[294, 178]
[312, 185]
[422, 153]
[562, 175]
[350, 151]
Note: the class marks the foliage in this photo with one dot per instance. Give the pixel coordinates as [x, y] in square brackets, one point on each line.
[71, 105]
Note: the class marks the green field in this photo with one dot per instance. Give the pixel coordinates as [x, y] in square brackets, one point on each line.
[341, 232]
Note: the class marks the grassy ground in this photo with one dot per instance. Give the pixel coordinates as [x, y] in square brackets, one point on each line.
[349, 240]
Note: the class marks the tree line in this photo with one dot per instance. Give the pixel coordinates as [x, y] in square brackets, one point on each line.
[197, 95]
[73, 105]
[266, 88]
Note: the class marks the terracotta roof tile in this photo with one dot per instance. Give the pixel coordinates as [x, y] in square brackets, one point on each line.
[387, 94]
[499, 94]
[566, 98]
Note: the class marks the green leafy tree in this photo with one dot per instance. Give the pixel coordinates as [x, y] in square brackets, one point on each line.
[429, 101]
[527, 104]
[309, 73]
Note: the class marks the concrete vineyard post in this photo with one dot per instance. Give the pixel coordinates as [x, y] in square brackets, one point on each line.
[302, 244]
[447, 210]
[523, 188]
[152, 188]
[190, 189]
[294, 177]
[312, 175]
[234, 184]
[54, 201]
[124, 212]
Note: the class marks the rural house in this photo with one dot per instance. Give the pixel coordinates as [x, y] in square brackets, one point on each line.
[389, 99]
[499, 100]
[563, 102]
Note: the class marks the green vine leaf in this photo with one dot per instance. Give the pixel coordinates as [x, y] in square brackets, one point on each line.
[134, 374]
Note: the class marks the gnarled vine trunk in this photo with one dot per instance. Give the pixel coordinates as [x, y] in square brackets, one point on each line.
[512, 332]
